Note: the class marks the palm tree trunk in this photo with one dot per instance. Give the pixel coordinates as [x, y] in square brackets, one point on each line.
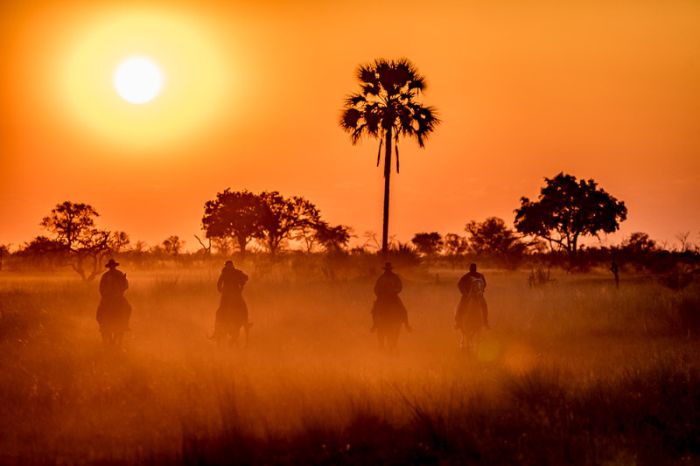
[242, 244]
[387, 176]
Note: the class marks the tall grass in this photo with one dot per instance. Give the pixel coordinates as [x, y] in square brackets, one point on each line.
[575, 372]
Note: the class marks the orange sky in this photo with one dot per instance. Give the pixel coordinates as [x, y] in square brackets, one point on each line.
[608, 90]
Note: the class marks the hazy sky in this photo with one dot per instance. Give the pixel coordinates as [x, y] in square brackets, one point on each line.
[254, 90]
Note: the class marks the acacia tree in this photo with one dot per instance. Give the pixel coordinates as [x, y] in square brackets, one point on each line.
[172, 245]
[639, 243]
[234, 215]
[455, 245]
[118, 241]
[566, 209]
[639, 249]
[73, 226]
[386, 108]
[492, 237]
[428, 244]
[283, 217]
[44, 251]
[307, 231]
[332, 238]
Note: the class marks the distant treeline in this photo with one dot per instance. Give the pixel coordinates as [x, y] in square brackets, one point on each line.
[546, 233]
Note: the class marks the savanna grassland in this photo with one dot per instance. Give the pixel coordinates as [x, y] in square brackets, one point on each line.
[572, 372]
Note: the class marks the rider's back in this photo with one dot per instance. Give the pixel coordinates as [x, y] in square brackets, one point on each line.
[113, 283]
[472, 283]
[388, 285]
[231, 281]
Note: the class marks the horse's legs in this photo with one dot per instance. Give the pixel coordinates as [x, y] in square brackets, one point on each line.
[118, 338]
[234, 336]
[219, 335]
[246, 331]
[393, 338]
[381, 337]
[109, 339]
[467, 341]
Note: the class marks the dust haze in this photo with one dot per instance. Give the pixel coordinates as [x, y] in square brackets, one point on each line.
[563, 364]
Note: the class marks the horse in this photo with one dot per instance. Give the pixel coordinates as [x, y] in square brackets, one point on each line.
[470, 320]
[389, 314]
[113, 315]
[231, 317]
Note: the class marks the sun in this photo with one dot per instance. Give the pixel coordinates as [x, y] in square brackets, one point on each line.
[138, 80]
[144, 78]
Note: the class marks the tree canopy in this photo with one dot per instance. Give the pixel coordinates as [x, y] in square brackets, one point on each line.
[73, 227]
[235, 215]
[492, 237]
[269, 218]
[568, 208]
[428, 244]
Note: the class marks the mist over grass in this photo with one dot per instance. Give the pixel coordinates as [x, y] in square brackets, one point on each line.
[573, 372]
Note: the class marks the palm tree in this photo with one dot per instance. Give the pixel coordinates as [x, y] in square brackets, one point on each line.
[386, 108]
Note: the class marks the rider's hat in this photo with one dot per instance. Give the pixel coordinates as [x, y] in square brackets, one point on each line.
[111, 263]
[387, 266]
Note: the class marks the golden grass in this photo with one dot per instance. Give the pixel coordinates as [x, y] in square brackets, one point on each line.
[313, 388]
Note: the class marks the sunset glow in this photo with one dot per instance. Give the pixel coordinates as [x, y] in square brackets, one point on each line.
[252, 94]
[168, 61]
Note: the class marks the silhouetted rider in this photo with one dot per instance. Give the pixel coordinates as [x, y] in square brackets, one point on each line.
[388, 303]
[472, 286]
[114, 310]
[232, 308]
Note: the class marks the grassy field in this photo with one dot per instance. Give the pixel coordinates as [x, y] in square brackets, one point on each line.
[574, 372]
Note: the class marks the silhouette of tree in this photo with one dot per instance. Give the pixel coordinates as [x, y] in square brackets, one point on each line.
[493, 238]
[70, 222]
[140, 247]
[640, 250]
[224, 245]
[172, 245]
[282, 218]
[403, 254]
[307, 231]
[4, 251]
[386, 108]
[234, 214]
[138, 252]
[428, 244]
[639, 243]
[370, 241]
[684, 243]
[118, 241]
[73, 225]
[333, 238]
[44, 251]
[455, 245]
[568, 208]
[206, 247]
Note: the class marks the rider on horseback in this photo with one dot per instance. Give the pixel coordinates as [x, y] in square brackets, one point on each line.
[388, 304]
[472, 286]
[232, 313]
[114, 310]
